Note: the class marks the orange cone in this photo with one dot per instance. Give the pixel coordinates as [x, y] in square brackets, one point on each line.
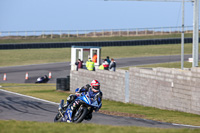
[4, 77]
[26, 76]
[50, 75]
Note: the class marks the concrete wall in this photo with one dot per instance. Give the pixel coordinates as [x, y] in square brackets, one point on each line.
[164, 88]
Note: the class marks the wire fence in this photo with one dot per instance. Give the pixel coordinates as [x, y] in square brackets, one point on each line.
[95, 33]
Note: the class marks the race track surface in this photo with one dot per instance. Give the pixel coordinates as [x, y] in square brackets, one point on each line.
[20, 107]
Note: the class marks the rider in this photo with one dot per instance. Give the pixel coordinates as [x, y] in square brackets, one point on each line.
[94, 92]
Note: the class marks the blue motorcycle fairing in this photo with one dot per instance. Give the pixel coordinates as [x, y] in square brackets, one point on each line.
[85, 98]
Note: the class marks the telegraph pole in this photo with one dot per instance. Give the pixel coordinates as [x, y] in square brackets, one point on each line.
[195, 51]
[182, 37]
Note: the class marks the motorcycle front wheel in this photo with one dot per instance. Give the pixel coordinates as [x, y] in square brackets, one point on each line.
[58, 118]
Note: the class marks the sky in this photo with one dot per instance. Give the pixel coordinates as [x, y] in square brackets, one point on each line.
[29, 15]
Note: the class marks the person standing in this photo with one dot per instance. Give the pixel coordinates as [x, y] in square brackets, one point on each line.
[94, 58]
[112, 66]
[108, 60]
[90, 65]
[79, 64]
[105, 65]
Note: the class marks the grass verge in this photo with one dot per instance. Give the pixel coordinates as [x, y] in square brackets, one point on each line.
[42, 127]
[38, 56]
[118, 108]
[166, 65]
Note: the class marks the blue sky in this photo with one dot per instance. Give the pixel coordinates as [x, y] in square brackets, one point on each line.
[23, 15]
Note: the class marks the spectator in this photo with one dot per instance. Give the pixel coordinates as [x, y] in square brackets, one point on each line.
[105, 64]
[108, 60]
[90, 65]
[101, 67]
[112, 66]
[79, 64]
[94, 58]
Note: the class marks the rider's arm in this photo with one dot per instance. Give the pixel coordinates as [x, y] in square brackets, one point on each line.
[83, 89]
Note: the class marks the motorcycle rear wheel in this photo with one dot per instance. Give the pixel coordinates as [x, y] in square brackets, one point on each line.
[78, 118]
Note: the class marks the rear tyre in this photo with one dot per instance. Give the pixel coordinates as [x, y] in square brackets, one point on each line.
[79, 115]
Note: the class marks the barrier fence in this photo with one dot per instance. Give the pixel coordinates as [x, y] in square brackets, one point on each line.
[95, 33]
[100, 44]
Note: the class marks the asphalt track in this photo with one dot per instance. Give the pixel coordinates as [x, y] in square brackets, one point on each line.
[16, 74]
[20, 107]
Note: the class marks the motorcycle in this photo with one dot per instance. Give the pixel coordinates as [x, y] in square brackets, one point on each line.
[83, 111]
[44, 79]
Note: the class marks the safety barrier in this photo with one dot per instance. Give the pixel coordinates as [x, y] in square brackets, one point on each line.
[101, 44]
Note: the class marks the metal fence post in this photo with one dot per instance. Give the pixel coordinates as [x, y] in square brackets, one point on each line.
[153, 31]
[136, 31]
[68, 33]
[43, 34]
[126, 87]
[94, 33]
[77, 33]
[85, 34]
[25, 34]
[60, 34]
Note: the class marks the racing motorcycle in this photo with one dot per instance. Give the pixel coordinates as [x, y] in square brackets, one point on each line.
[43, 79]
[83, 110]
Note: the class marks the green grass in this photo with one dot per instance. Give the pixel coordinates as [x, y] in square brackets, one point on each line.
[86, 39]
[48, 92]
[166, 65]
[33, 56]
[38, 56]
[43, 127]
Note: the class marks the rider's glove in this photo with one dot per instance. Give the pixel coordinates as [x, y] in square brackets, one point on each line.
[77, 90]
[87, 86]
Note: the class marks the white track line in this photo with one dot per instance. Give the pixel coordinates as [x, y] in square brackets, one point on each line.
[30, 97]
[185, 125]
[191, 126]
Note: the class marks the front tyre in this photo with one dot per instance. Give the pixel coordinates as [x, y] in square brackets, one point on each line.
[58, 118]
[79, 115]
